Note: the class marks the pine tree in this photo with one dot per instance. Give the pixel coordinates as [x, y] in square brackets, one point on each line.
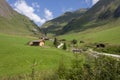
[55, 42]
[64, 46]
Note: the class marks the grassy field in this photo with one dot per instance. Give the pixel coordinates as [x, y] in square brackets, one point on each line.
[16, 57]
[106, 34]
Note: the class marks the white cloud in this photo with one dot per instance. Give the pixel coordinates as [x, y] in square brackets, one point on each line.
[94, 1]
[89, 2]
[36, 5]
[22, 7]
[48, 14]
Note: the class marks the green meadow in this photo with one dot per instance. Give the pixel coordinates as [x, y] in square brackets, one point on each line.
[16, 57]
[105, 34]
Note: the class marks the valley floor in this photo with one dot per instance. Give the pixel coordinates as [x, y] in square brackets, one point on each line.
[16, 57]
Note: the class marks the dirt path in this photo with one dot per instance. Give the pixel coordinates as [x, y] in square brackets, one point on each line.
[59, 46]
[95, 53]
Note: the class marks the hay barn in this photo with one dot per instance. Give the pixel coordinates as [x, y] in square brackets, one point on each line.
[37, 43]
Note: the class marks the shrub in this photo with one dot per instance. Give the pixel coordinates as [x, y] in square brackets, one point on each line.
[74, 41]
[109, 49]
[107, 68]
[101, 68]
[82, 42]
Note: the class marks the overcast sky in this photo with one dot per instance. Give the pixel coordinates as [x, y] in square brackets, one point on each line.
[43, 10]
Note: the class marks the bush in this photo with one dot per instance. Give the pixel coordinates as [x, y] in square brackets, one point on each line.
[107, 68]
[82, 42]
[76, 71]
[74, 41]
[101, 68]
[109, 49]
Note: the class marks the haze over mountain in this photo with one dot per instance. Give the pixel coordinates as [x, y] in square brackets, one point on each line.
[12, 22]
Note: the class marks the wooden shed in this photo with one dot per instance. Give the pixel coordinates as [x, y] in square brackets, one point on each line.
[37, 43]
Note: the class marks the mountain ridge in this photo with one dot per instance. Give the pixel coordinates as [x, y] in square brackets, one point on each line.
[55, 25]
[4, 7]
[100, 14]
[12, 22]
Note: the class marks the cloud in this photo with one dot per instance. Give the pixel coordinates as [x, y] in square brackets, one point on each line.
[94, 1]
[48, 14]
[36, 5]
[22, 7]
[91, 1]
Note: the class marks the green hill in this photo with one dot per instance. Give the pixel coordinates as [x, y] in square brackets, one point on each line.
[12, 22]
[101, 23]
[55, 25]
[100, 14]
[101, 34]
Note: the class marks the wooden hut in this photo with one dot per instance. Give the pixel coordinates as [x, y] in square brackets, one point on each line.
[37, 43]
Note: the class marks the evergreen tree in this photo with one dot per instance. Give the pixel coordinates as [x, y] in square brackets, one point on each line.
[55, 43]
[64, 46]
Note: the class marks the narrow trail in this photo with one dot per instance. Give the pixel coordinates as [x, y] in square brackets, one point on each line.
[59, 46]
[104, 54]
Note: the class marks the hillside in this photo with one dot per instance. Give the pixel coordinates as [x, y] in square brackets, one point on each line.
[102, 13]
[101, 23]
[101, 34]
[55, 25]
[12, 22]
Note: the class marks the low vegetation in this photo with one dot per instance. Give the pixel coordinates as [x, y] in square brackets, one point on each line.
[112, 49]
[83, 67]
[100, 68]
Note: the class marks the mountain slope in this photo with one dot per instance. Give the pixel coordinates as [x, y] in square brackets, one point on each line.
[100, 14]
[108, 33]
[55, 25]
[12, 22]
[5, 9]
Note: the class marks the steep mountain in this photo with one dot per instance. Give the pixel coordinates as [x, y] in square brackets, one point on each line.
[55, 25]
[102, 13]
[12, 22]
